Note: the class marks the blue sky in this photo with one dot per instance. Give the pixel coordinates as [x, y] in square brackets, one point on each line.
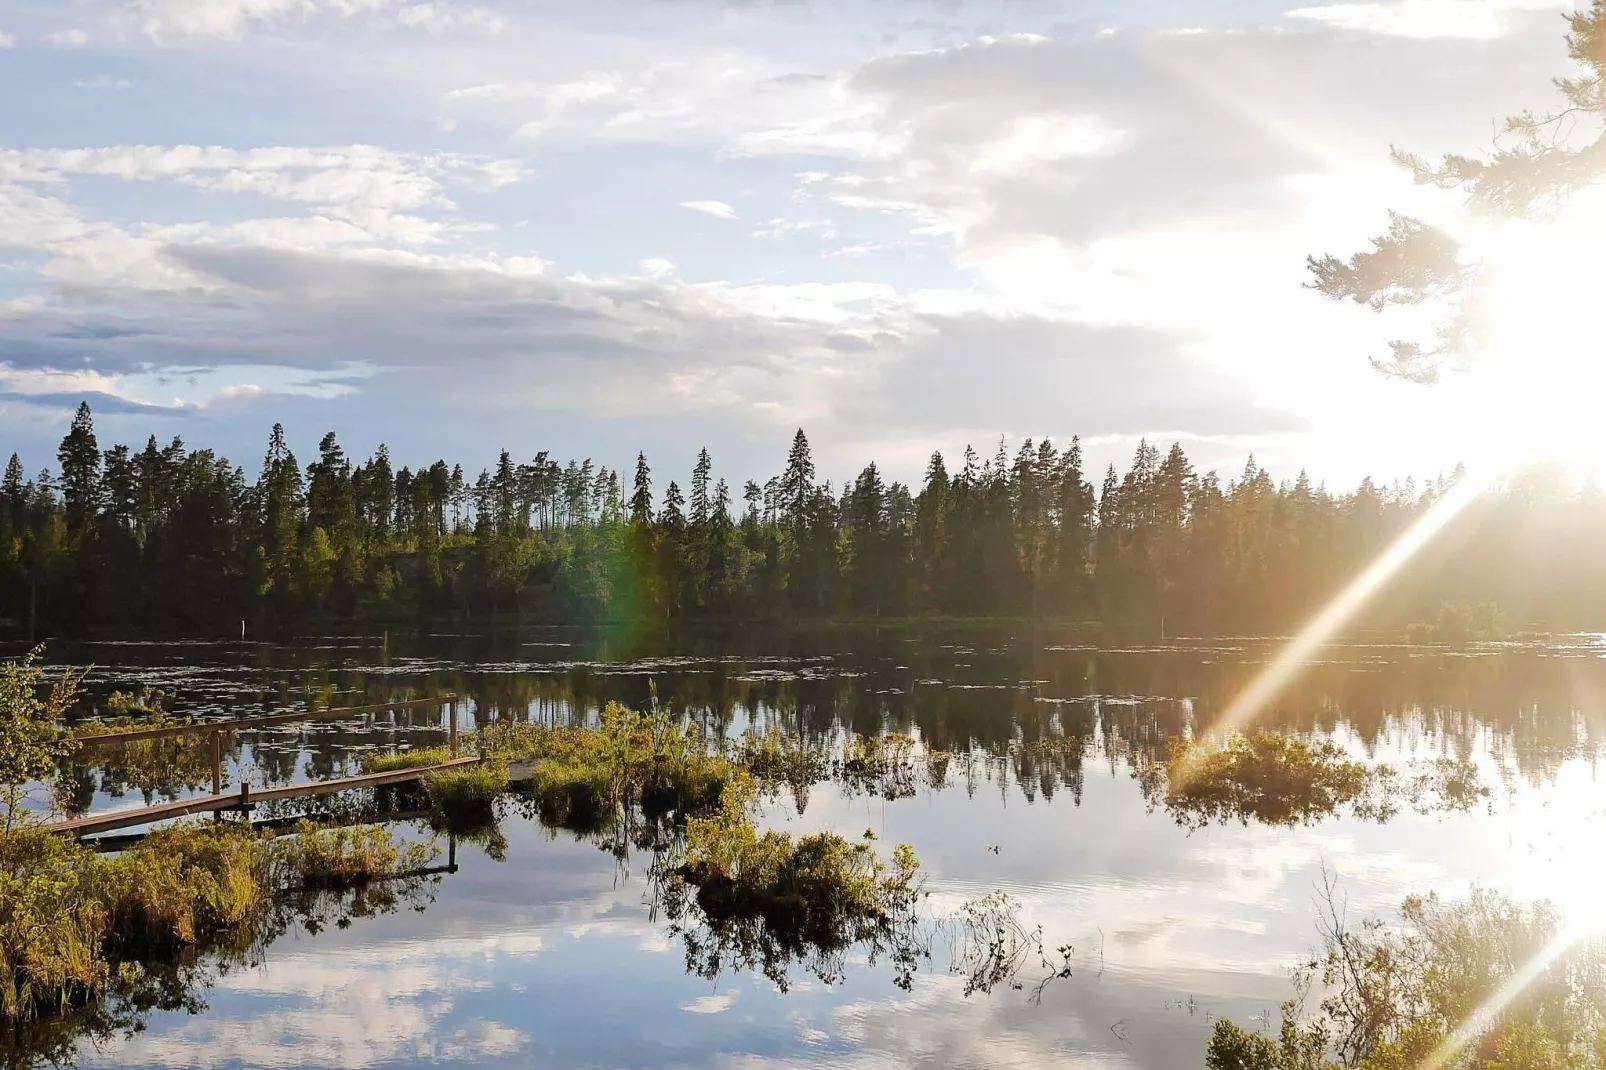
[600, 227]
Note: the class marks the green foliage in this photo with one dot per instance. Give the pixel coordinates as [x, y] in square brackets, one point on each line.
[1273, 778]
[74, 923]
[416, 758]
[31, 744]
[466, 797]
[582, 776]
[52, 926]
[772, 898]
[1538, 162]
[1395, 993]
[1279, 779]
[346, 855]
[1299, 1046]
[180, 542]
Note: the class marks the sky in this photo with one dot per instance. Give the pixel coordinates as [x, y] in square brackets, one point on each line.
[618, 225]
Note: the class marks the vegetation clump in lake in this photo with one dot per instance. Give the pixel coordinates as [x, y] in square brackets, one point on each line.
[770, 897]
[1281, 779]
[1426, 990]
[582, 776]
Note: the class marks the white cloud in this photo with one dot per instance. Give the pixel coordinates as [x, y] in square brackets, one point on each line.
[232, 19]
[718, 209]
[6, 39]
[102, 81]
[657, 267]
[1424, 19]
[717, 1003]
[73, 38]
[439, 18]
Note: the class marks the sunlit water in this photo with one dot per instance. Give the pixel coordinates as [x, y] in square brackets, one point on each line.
[552, 956]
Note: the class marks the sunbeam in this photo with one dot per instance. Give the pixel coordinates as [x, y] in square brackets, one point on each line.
[1342, 609]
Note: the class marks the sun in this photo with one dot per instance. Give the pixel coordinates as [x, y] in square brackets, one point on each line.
[1535, 391]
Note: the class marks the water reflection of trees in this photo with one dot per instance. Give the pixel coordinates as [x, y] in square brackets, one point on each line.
[989, 693]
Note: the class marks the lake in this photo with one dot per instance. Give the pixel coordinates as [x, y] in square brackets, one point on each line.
[550, 950]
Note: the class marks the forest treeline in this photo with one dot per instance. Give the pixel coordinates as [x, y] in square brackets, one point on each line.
[172, 540]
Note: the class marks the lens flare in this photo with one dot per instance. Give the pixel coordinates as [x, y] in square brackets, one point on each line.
[1337, 613]
[1481, 1018]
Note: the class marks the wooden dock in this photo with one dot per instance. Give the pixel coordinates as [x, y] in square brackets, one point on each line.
[244, 799]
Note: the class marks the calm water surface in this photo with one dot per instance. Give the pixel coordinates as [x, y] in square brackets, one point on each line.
[554, 956]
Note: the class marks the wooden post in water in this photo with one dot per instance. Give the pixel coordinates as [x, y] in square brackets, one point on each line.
[451, 730]
[245, 796]
[217, 762]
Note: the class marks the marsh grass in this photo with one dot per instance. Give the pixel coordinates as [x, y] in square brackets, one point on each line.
[407, 759]
[330, 858]
[772, 898]
[583, 776]
[466, 797]
[73, 921]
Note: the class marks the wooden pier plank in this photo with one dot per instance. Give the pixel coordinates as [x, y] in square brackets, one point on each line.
[145, 815]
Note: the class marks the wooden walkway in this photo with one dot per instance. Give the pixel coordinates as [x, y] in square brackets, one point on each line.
[246, 798]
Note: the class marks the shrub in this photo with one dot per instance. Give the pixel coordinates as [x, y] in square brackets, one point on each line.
[51, 926]
[31, 745]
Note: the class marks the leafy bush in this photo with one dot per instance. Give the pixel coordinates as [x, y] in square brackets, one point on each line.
[31, 744]
[1396, 993]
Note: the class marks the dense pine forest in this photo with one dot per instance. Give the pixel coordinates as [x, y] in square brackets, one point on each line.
[177, 541]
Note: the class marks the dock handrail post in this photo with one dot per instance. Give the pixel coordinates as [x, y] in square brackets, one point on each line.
[451, 730]
[245, 796]
[217, 762]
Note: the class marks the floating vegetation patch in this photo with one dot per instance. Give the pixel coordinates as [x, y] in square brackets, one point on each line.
[466, 797]
[582, 776]
[1279, 779]
[417, 758]
[766, 899]
[1422, 990]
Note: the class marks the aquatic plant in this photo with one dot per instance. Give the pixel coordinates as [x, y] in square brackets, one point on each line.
[581, 775]
[1280, 779]
[1395, 992]
[1274, 778]
[467, 796]
[324, 858]
[73, 921]
[179, 885]
[769, 898]
[51, 926]
[417, 758]
[778, 759]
